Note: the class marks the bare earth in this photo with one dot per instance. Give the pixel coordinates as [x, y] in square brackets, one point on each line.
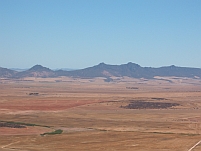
[126, 114]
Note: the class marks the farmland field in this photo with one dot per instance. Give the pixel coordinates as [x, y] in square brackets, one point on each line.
[91, 114]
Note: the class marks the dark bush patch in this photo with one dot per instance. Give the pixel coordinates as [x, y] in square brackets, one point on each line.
[132, 88]
[149, 105]
[11, 125]
[33, 93]
[159, 98]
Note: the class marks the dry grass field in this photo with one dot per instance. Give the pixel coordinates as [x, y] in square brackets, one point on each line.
[96, 115]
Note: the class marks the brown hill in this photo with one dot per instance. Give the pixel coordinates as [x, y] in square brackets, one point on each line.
[6, 73]
[36, 71]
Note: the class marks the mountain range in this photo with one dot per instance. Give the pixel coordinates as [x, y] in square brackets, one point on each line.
[105, 70]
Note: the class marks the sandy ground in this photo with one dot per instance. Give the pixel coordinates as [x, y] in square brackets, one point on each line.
[30, 130]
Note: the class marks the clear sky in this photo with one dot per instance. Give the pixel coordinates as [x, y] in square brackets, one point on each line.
[83, 33]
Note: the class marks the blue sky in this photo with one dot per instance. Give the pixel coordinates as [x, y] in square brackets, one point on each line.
[83, 33]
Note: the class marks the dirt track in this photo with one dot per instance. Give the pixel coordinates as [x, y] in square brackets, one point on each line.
[194, 146]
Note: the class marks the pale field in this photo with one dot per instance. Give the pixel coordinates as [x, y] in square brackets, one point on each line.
[90, 114]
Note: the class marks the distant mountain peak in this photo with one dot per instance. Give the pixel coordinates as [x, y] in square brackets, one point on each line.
[173, 66]
[36, 71]
[39, 68]
[130, 63]
[101, 64]
[134, 64]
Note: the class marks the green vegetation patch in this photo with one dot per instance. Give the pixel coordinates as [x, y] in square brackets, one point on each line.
[24, 124]
[59, 131]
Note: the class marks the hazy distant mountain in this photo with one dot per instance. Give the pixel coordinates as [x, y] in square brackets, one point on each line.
[6, 73]
[178, 71]
[64, 69]
[132, 70]
[18, 69]
[36, 71]
[104, 70]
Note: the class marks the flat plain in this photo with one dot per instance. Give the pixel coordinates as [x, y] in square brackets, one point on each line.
[97, 115]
